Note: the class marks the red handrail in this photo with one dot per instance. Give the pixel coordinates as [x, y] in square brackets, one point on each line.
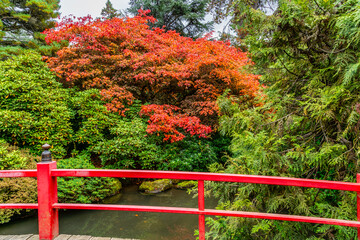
[18, 173]
[48, 206]
[201, 176]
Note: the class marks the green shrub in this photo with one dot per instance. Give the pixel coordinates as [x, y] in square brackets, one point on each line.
[191, 154]
[15, 190]
[81, 189]
[33, 106]
[91, 120]
[129, 147]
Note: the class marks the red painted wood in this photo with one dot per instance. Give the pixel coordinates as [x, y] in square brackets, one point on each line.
[201, 195]
[47, 196]
[136, 208]
[284, 181]
[283, 217]
[48, 206]
[209, 212]
[201, 206]
[358, 203]
[18, 206]
[17, 173]
[54, 199]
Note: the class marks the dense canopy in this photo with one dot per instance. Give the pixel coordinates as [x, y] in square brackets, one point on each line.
[127, 60]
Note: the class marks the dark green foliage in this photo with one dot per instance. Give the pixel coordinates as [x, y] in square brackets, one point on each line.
[308, 127]
[15, 190]
[130, 147]
[190, 154]
[45, 50]
[84, 190]
[221, 9]
[22, 21]
[109, 11]
[119, 142]
[92, 120]
[184, 16]
[8, 52]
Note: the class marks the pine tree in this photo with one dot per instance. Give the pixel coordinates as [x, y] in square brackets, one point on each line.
[308, 126]
[22, 21]
[186, 17]
[109, 11]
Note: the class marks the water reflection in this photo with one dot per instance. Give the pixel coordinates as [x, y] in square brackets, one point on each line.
[149, 226]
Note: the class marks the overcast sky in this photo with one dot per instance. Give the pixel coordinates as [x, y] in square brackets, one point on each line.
[80, 8]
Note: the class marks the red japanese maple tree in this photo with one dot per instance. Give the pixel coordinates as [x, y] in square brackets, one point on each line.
[127, 60]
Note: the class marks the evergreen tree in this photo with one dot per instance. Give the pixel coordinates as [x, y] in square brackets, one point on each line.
[22, 21]
[222, 9]
[186, 17]
[109, 11]
[307, 126]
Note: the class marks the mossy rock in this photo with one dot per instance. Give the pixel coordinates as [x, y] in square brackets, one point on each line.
[186, 184]
[156, 186]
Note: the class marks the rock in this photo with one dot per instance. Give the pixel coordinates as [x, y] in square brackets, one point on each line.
[186, 184]
[176, 181]
[157, 186]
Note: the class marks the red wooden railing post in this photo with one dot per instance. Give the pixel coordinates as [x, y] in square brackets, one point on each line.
[47, 195]
[358, 204]
[201, 204]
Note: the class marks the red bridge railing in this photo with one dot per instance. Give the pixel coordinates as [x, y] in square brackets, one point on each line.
[48, 205]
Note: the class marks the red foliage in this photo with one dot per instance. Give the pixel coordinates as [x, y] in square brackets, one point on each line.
[126, 60]
[165, 119]
[117, 98]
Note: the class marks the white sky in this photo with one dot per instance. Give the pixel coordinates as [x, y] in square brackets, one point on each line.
[80, 8]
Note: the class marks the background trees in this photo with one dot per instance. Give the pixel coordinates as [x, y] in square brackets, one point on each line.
[109, 11]
[23, 21]
[186, 17]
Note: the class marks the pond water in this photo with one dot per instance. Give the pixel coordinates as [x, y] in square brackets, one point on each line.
[149, 226]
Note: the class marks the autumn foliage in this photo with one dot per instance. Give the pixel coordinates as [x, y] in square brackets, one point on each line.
[164, 118]
[126, 60]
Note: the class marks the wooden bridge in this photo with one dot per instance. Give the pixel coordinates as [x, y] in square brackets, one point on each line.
[48, 205]
[60, 237]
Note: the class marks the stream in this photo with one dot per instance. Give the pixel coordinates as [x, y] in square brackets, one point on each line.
[140, 225]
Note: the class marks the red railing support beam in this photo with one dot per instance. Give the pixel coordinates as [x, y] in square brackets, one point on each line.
[47, 195]
[201, 204]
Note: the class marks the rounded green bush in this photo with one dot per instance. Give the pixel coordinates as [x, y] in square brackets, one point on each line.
[81, 189]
